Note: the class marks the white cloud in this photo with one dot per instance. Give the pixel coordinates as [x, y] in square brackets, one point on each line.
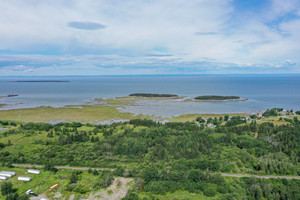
[127, 31]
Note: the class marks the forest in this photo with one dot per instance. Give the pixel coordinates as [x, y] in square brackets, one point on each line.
[170, 157]
[152, 95]
[212, 97]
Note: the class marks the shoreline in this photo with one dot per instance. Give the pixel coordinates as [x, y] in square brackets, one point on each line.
[98, 113]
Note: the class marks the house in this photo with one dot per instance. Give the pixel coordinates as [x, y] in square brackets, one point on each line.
[33, 171]
[23, 178]
[210, 125]
[284, 112]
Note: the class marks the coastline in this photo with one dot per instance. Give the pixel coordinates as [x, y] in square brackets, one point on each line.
[102, 110]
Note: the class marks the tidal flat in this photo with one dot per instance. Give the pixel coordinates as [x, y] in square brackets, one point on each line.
[109, 110]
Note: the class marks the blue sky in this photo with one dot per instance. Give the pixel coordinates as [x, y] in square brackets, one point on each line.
[103, 37]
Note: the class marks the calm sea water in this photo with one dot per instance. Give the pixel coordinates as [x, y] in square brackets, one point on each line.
[263, 91]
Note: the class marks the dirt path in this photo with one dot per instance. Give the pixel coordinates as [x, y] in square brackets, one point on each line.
[116, 191]
[245, 175]
[62, 167]
[101, 169]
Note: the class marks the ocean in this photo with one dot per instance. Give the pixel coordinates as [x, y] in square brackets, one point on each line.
[262, 92]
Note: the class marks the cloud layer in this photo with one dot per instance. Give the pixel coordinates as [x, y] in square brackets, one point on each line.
[171, 36]
[86, 25]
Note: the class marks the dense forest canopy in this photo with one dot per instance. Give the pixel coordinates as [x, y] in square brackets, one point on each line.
[152, 95]
[214, 97]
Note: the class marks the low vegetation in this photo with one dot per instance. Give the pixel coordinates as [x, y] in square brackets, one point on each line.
[183, 159]
[70, 182]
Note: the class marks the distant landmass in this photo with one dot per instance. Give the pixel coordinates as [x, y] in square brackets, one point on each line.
[41, 81]
[213, 97]
[152, 95]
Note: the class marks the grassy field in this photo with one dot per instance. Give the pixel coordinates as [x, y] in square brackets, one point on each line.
[192, 117]
[276, 120]
[41, 183]
[85, 113]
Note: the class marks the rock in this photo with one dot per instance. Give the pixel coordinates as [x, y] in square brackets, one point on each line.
[57, 195]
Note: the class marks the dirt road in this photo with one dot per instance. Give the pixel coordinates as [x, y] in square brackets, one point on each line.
[257, 176]
[102, 169]
[62, 167]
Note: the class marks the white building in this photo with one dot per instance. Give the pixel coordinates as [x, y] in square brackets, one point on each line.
[33, 171]
[3, 178]
[6, 175]
[23, 178]
[7, 172]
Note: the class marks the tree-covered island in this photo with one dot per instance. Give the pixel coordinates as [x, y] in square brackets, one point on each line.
[152, 95]
[218, 98]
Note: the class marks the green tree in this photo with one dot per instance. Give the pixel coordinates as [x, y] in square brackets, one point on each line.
[50, 167]
[6, 188]
[226, 117]
[73, 178]
[12, 196]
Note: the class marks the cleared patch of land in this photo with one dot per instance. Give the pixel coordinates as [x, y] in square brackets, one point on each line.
[116, 191]
[41, 183]
[192, 117]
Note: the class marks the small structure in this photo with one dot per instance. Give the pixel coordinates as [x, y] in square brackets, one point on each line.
[34, 171]
[210, 125]
[3, 178]
[6, 175]
[29, 192]
[284, 112]
[53, 187]
[23, 178]
[8, 172]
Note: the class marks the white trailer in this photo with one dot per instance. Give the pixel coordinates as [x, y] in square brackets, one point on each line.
[3, 178]
[34, 171]
[23, 178]
[8, 172]
[6, 175]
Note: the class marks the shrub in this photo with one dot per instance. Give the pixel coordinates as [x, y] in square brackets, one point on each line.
[6, 188]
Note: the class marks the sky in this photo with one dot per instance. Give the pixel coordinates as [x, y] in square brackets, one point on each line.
[105, 37]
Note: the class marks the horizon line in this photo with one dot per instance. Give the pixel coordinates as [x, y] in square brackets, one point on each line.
[120, 75]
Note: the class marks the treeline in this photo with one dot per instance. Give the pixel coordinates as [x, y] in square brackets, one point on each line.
[7, 123]
[213, 97]
[152, 95]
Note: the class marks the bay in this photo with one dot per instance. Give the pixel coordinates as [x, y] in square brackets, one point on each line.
[262, 92]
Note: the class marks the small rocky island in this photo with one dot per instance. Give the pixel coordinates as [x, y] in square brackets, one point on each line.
[152, 95]
[218, 98]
